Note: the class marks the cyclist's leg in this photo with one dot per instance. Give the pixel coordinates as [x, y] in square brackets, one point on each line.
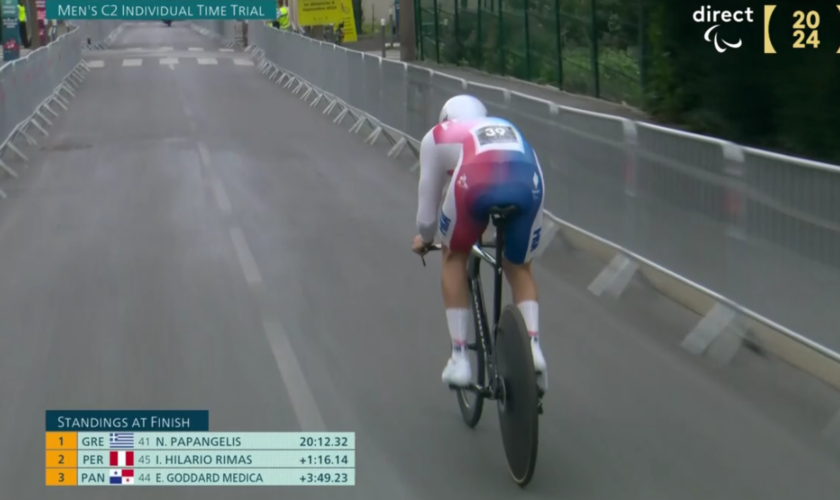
[459, 231]
[522, 236]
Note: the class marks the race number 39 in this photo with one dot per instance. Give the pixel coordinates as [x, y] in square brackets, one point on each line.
[496, 134]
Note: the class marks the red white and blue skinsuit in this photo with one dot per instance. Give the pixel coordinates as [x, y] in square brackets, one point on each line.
[490, 164]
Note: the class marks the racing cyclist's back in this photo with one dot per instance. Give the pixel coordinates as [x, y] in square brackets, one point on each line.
[491, 164]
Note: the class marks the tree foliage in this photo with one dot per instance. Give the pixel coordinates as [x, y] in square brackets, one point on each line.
[785, 101]
[651, 53]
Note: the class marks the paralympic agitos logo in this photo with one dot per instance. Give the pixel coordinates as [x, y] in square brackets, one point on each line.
[716, 18]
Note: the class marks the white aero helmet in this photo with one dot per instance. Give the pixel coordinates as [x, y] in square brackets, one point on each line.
[462, 107]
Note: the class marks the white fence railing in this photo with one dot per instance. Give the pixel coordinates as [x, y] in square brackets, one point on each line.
[34, 88]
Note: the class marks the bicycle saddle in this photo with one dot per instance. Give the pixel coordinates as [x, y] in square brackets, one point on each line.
[503, 211]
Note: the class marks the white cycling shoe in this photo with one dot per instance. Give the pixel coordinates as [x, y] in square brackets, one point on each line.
[458, 371]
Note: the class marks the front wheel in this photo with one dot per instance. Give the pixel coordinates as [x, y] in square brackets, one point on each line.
[518, 399]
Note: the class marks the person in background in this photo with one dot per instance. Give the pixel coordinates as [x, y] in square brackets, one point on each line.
[282, 21]
[24, 38]
[283, 17]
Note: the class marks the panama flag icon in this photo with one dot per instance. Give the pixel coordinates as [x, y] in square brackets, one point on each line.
[122, 476]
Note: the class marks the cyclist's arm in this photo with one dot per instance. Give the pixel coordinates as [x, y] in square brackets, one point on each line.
[430, 190]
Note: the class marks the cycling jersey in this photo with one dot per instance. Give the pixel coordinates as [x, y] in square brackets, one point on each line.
[490, 164]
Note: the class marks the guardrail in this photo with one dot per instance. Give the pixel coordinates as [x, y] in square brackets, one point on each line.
[666, 196]
[230, 33]
[225, 32]
[32, 88]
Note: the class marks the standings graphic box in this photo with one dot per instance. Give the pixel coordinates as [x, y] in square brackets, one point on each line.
[98, 447]
[176, 448]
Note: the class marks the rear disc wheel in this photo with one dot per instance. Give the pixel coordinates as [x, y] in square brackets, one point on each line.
[518, 404]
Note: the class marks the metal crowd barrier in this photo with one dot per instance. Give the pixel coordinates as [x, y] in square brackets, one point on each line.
[229, 33]
[225, 32]
[724, 230]
[33, 87]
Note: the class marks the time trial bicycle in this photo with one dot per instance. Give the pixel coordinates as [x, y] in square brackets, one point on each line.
[505, 364]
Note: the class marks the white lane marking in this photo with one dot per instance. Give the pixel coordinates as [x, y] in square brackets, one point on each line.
[222, 200]
[195, 49]
[306, 408]
[96, 64]
[209, 60]
[300, 394]
[243, 62]
[225, 50]
[246, 259]
[132, 62]
[169, 61]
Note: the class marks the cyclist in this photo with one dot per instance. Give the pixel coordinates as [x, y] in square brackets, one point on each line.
[490, 164]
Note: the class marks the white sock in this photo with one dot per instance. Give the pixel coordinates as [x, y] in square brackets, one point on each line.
[458, 320]
[530, 310]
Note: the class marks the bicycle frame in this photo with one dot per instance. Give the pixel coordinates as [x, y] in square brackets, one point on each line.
[477, 255]
[519, 428]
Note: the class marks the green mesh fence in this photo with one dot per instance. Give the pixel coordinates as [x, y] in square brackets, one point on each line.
[591, 47]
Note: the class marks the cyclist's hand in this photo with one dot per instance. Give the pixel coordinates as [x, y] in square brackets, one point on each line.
[419, 246]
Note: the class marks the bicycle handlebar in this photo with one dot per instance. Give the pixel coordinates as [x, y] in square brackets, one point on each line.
[431, 247]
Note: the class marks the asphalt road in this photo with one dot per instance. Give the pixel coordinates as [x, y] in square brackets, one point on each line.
[193, 236]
